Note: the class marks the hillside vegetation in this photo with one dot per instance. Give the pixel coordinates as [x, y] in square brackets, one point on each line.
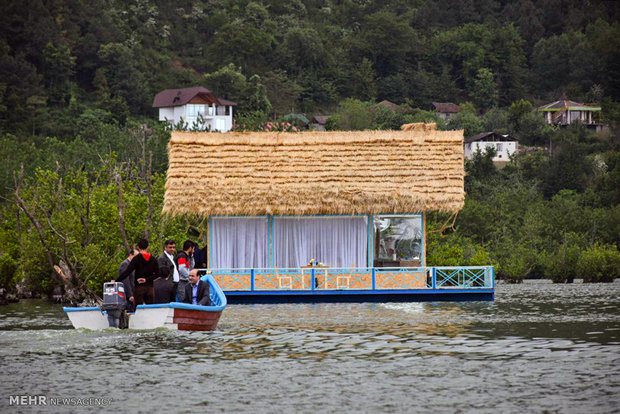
[83, 156]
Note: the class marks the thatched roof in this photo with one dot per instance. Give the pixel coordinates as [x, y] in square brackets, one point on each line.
[356, 172]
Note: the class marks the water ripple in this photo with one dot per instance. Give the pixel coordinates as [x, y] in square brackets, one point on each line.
[538, 348]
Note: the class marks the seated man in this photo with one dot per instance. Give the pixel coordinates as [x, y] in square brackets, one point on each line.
[197, 291]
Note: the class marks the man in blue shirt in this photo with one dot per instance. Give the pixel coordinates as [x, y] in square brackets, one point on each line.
[197, 291]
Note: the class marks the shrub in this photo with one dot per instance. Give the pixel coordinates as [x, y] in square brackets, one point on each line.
[562, 266]
[8, 267]
[600, 264]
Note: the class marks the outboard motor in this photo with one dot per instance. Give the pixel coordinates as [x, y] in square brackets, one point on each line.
[115, 303]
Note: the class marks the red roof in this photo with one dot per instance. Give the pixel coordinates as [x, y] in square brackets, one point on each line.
[390, 105]
[564, 102]
[447, 107]
[226, 102]
[179, 97]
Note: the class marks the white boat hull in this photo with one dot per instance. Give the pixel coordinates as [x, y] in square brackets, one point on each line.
[175, 315]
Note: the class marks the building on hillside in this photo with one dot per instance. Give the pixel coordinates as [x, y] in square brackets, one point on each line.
[504, 145]
[195, 109]
[564, 112]
[324, 216]
[318, 122]
[390, 105]
[446, 110]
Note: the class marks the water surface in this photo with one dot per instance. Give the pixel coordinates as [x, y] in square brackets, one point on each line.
[539, 348]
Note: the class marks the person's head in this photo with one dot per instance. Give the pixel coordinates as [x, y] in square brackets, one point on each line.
[133, 253]
[170, 246]
[194, 277]
[188, 246]
[143, 244]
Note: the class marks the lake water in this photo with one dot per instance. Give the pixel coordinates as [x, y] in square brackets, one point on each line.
[539, 348]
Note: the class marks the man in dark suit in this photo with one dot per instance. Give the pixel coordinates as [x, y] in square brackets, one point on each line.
[130, 281]
[165, 291]
[167, 264]
[197, 291]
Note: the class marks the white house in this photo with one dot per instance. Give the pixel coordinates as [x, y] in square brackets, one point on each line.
[504, 145]
[196, 108]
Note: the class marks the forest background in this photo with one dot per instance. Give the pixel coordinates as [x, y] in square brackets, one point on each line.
[84, 159]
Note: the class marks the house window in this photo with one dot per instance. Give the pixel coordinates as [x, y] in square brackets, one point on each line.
[398, 240]
[499, 147]
[194, 110]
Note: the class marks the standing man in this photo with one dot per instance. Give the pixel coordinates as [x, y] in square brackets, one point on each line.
[197, 291]
[130, 281]
[200, 257]
[185, 265]
[147, 270]
[167, 264]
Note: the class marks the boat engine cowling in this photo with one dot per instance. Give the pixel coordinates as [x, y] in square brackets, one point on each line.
[114, 296]
[114, 303]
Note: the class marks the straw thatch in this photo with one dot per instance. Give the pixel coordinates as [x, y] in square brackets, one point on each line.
[413, 170]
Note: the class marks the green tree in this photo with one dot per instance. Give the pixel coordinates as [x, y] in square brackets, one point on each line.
[59, 64]
[527, 125]
[227, 82]
[353, 115]
[282, 92]
[485, 90]
[467, 120]
[385, 39]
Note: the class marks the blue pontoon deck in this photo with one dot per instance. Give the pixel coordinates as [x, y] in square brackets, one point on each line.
[415, 284]
[335, 216]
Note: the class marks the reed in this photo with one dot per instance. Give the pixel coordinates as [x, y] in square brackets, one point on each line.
[342, 172]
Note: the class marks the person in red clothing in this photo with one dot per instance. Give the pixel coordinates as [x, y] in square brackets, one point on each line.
[146, 271]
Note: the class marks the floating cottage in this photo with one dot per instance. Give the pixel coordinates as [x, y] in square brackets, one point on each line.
[324, 216]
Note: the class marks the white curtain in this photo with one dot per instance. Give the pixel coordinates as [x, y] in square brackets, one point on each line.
[239, 242]
[333, 241]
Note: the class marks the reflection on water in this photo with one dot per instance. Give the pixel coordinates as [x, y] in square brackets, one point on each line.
[537, 348]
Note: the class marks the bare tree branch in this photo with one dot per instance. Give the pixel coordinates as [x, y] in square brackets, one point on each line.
[445, 225]
[121, 212]
[22, 205]
[149, 217]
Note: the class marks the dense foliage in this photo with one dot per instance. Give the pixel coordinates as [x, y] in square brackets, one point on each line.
[278, 56]
[77, 80]
[554, 216]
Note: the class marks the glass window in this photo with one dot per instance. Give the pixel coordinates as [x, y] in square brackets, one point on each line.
[398, 240]
[194, 110]
[499, 147]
